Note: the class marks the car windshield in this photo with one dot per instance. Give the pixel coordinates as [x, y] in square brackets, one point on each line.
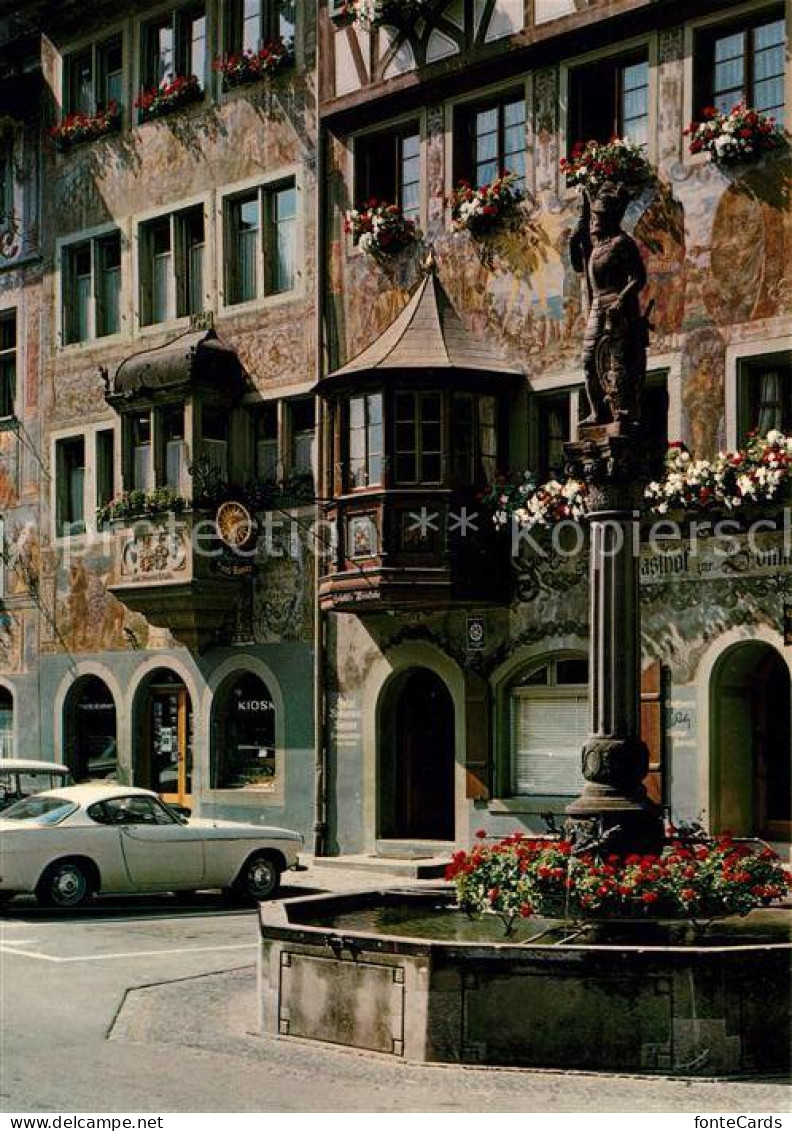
[43, 810]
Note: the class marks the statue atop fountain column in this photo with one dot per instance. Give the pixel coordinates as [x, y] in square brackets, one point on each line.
[616, 340]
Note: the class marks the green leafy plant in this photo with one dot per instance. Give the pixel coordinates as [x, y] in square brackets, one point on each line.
[690, 879]
[140, 504]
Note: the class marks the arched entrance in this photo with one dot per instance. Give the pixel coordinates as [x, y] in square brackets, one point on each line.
[163, 727]
[416, 758]
[90, 730]
[752, 717]
[243, 735]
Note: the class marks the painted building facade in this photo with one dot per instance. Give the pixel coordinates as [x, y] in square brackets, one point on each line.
[163, 288]
[472, 711]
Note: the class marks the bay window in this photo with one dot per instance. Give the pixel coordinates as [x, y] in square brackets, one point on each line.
[474, 439]
[419, 437]
[267, 458]
[365, 440]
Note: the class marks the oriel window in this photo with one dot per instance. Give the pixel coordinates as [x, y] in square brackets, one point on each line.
[419, 437]
[365, 440]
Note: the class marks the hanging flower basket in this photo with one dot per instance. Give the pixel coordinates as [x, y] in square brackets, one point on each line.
[78, 128]
[169, 97]
[740, 136]
[379, 229]
[480, 210]
[251, 66]
[688, 880]
[620, 160]
[372, 13]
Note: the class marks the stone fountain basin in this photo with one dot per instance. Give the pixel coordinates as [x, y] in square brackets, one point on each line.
[401, 973]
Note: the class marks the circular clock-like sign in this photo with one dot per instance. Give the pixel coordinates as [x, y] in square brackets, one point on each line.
[235, 524]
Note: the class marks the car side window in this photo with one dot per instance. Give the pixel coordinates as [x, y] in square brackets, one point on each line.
[99, 813]
[135, 811]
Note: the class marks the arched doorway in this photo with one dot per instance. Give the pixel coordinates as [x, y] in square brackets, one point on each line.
[752, 717]
[416, 758]
[163, 722]
[90, 730]
[243, 735]
[6, 723]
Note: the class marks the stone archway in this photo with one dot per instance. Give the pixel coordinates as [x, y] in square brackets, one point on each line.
[90, 730]
[416, 758]
[751, 723]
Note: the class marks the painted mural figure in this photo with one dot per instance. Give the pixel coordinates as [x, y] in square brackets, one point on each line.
[616, 338]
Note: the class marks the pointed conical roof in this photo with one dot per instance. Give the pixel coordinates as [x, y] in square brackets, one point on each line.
[428, 334]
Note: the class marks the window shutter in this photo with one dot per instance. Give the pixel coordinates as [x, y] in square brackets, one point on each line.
[652, 714]
[477, 739]
[549, 733]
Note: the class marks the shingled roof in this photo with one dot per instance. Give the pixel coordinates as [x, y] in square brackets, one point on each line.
[428, 334]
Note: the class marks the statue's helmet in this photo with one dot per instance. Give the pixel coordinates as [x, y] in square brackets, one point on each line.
[611, 200]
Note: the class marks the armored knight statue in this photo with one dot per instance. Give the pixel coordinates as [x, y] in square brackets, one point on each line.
[616, 339]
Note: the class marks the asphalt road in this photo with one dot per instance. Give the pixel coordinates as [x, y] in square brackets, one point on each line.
[149, 1006]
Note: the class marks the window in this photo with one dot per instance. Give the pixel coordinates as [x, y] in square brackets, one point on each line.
[388, 168]
[174, 46]
[91, 289]
[172, 266]
[252, 23]
[765, 394]
[8, 362]
[6, 183]
[94, 78]
[7, 734]
[610, 97]
[105, 466]
[549, 713]
[654, 419]
[244, 754]
[266, 424]
[142, 452]
[174, 449]
[261, 235]
[742, 62]
[554, 428]
[419, 437]
[215, 443]
[365, 440]
[70, 485]
[302, 426]
[474, 437]
[489, 140]
[131, 811]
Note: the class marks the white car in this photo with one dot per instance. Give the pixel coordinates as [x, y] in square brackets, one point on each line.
[66, 845]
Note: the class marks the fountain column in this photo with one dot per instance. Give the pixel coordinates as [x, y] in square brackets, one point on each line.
[614, 803]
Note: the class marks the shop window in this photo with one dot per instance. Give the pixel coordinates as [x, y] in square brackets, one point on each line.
[365, 440]
[267, 456]
[250, 24]
[244, 737]
[419, 437]
[489, 139]
[91, 289]
[70, 485]
[8, 362]
[94, 78]
[261, 243]
[742, 62]
[610, 97]
[388, 168]
[105, 466]
[90, 731]
[765, 395]
[172, 266]
[302, 428]
[6, 723]
[174, 46]
[549, 716]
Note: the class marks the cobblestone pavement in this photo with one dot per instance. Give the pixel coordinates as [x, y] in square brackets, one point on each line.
[149, 1005]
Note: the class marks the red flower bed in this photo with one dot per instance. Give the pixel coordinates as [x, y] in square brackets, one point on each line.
[77, 128]
[524, 876]
[250, 66]
[741, 135]
[171, 96]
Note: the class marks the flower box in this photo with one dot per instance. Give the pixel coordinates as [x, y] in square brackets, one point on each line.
[592, 163]
[380, 229]
[169, 97]
[76, 129]
[740, 136]
[371, 13]
[138, 504]
[480, 210]
[252, 66]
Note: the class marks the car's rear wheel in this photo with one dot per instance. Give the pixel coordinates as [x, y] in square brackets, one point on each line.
[67, 883]
[259, 878]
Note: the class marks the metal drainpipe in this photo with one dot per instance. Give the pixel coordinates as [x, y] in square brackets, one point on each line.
[321, 799]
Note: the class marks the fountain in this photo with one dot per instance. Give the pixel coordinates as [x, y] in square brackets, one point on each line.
[407, 974]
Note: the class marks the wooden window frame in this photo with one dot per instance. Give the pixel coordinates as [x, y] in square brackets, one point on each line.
[616, 62]
[97, 52]
[370, 154]
[704, 48]
[95, 246]
[179, 282]
[464, 158]
[9, 354]
[266, 238]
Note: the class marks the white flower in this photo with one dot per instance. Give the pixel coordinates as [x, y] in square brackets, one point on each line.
[775, 437]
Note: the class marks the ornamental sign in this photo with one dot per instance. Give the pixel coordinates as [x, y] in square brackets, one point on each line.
[710, 559]
[476, 634]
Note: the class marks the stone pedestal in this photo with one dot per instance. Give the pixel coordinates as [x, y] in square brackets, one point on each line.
[613, 808]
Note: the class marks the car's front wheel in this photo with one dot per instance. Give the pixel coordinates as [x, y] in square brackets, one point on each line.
[259, 878]
[68, 883]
